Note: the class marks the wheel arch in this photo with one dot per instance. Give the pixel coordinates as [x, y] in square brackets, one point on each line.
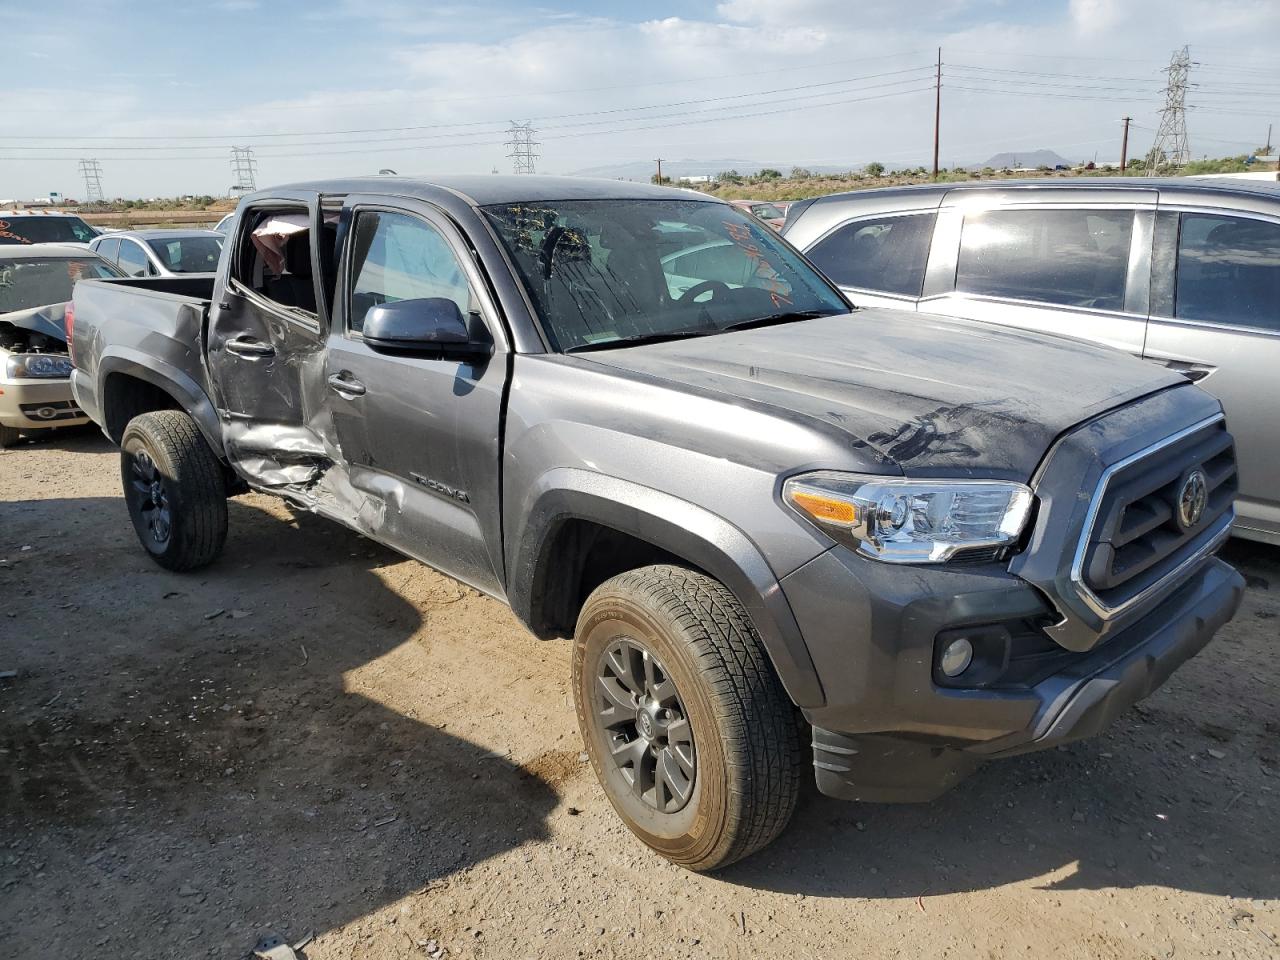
[132, 385]
[582, 528]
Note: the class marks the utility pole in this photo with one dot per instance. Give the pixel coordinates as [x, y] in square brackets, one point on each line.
[522, 143]
[244, 168]
[1124, 145]
[1171, 139]
[91, 170]
[659, 180]
[937, 113]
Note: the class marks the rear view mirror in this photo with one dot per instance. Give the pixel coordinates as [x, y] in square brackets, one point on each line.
[427, 325]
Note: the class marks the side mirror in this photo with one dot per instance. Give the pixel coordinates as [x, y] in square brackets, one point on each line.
[427, 325]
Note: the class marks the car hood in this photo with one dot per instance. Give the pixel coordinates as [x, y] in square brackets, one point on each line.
[51, 320]
[928, 394]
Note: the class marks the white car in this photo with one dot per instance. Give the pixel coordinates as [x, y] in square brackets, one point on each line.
[161, 253]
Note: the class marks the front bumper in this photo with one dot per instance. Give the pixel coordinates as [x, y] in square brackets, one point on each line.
[39, 404]
[890, 732]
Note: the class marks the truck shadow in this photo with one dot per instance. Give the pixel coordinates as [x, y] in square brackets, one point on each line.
[184, 759]
[1180, 793]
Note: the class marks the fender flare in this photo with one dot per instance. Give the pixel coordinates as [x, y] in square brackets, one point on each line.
[683, 529]
[189, 395]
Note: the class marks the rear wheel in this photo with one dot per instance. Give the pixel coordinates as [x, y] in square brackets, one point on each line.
[174, 488]
[9, 436]
[687, 726]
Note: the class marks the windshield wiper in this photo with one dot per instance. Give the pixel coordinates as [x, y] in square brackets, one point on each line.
[637, 338]
[776, 318]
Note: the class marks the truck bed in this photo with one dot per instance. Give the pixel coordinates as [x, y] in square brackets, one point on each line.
[148, 328]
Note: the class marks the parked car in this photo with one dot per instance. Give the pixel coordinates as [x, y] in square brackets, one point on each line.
[224, 225]
[1182, 272]
[161, 253]
[35, 371]
[738, 497]
[24, 227]
[771, 213]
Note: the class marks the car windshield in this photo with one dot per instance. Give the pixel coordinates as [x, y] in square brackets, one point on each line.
[36, 283]
[188, 254]
[615, 272]
[767, 211]
[42, 229]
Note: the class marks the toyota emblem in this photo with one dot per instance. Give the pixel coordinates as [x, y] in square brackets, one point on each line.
[1192, 499]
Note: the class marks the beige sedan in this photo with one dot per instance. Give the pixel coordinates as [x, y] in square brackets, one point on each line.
[35, 368]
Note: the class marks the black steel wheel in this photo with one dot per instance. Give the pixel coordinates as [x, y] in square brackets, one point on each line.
[651, 739]
[174, 489]
[687, 726]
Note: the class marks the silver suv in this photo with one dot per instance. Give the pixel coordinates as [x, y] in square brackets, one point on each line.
[1184, 272]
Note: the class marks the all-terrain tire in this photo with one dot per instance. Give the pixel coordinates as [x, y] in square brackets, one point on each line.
[175, 490]
[9, 436]
[745, 739]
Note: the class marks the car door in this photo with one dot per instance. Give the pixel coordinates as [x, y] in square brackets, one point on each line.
[1215, 314]
[420, 434]
[266, 345]
[1078, 269]
[880, 260]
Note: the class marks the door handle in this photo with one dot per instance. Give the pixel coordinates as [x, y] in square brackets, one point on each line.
[249, 349]
[343, 384]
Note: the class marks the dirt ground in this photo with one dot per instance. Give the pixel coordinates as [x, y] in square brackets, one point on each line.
[317, 736]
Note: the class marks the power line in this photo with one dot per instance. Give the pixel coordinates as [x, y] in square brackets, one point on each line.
[920, 71]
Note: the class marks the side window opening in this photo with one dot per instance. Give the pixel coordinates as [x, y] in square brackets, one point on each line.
[396, 256]
[1072, 257]
[1228, 271]
[274, 258]
[887, 254]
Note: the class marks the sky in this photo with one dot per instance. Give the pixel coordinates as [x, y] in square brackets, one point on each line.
[158, 93]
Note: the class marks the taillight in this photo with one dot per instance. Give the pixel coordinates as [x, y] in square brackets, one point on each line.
[71, 331]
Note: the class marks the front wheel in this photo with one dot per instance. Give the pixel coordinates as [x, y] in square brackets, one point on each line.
[688, 728]
[9, 435]
[174, 488]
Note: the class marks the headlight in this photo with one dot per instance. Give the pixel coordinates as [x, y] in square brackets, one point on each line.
[27, 365]
[912, 521]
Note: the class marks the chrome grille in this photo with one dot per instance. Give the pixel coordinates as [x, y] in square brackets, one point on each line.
[1138, 537]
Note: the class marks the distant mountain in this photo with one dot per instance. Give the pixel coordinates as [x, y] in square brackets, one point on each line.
[1024, 159]
[644, 169]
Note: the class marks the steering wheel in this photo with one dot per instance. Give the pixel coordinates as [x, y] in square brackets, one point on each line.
[698, 289]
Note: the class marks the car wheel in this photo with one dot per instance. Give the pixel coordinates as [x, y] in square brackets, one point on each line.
[687, 727]
[9, 436]
[174, 488]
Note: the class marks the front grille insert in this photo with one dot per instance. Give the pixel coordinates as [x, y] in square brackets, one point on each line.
[1139, 536]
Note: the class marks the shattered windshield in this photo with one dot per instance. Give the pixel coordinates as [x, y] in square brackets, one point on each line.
[36, 283]
[612, 272]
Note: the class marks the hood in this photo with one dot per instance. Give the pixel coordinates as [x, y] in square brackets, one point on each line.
[931, 395]
[51, 320]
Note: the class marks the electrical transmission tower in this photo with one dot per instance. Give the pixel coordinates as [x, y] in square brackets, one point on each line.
[522, 146]
[1170, 146]
[91, 170]
[244, 169]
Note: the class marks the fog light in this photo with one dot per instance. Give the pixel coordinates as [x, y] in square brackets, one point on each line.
[956, 657]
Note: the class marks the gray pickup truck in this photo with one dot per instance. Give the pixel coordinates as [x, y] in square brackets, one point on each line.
[644, 421]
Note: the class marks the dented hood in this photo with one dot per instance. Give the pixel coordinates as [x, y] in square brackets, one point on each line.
[51, 320]
[928, 394]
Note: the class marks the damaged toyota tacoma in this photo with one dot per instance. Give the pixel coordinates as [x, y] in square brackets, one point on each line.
[645, 422]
